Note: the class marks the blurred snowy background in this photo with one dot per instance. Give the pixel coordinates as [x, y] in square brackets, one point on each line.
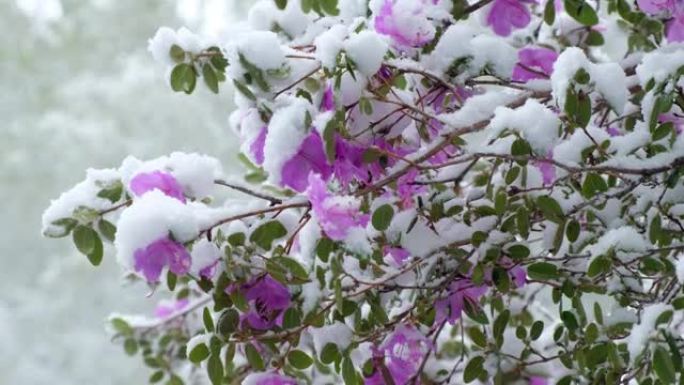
[78, 89]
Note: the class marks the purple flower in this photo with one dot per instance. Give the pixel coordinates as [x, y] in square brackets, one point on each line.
[536, 380]
[157, 180]
[460, 291]
[534, 63]
[674, 28]
[398, 254]
[257, 146]
[655, 7]
[405, 22]
[349, 165]
[677, 121]
[166, 308]
[268, 299]
[150, 260]
[506, 15]
[547, 169]
[402, 354]
[335, 214]
[328, 100]
[268, 379]
[310, 158]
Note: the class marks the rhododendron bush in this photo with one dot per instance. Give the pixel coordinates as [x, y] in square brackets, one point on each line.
[436, 192]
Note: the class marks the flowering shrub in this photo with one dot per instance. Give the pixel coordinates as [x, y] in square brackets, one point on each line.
[438, 192]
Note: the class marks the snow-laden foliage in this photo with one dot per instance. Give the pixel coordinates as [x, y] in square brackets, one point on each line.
[441, 192]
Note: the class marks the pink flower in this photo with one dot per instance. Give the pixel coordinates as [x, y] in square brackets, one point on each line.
[268, 299]
[157, 180]
[335, 214]
[257, 146]
[310, 158]
[405, 22]
[506, 15]
[534, 63]
[536, 380]
[460, 291]
[268, 379]
[402, 352]
[166, 308]
[150, 260]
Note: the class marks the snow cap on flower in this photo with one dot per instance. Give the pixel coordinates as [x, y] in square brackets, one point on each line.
[150, 234]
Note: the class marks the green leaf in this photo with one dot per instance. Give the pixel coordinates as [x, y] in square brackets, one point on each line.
[66, 224]
[551, 209]
[329, 353]
[569, 320]
[500, 323]
[477, 336]
[475, 312]
[210, 78]
[663, 366]
[156, 377]
[382, 217]
[121, 326]
[177, 53]
[199, 353]
[215, 368]
[542, 271]
[130, 346]
[594, 38]
[536, 330]
[174, 380]
[265, 234]
[473, 369]
[88, 242]
[348, 372]
[228, 322]
[572, 230]
[84, 239]
[581, 11]
[107, 229]
[244, 90]
[324, 248]
[208, 320]
[600, 264]
[112, 192]
[330, 7]
[183, 78]
[655, 230]
[522, 218]
[281, 4]
[254, 358]
[550, 12]
[518, 252]
[593, 184]
[299, 359]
